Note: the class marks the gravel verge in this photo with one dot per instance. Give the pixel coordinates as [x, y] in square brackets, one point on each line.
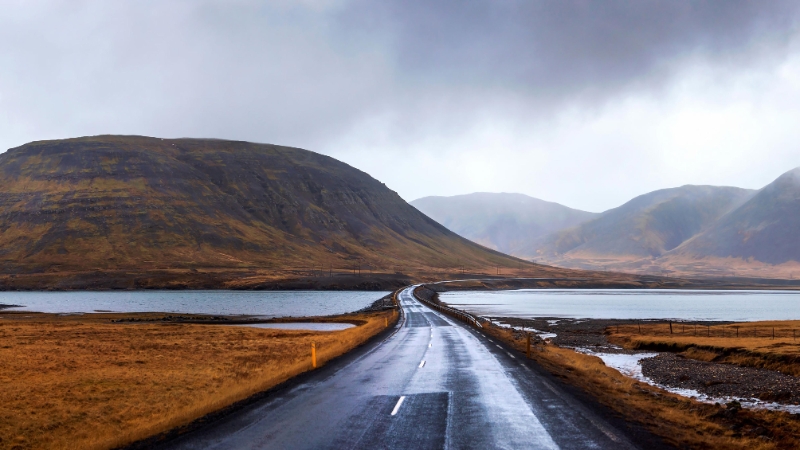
[722, 380]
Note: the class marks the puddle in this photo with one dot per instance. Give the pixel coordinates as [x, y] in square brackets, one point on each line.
[307, 326]
[543, 334]
[626, 364]
[629, 365]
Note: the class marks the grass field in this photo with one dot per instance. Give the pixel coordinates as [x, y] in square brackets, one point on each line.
[84, 382]
[681, 422]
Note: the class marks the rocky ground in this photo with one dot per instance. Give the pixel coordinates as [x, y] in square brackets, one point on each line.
[670, 369]
[571, 332]
[722, 380]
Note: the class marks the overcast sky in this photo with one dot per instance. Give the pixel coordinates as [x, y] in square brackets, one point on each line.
[586, 103]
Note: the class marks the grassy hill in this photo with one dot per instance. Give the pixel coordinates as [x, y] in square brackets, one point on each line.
[759, 238]
[128, 205]
[642, 229]
[506, 222]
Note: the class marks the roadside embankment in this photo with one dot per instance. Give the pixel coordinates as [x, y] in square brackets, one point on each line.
[680, 421]
[750, 360]
[81, 381]
[773, 345]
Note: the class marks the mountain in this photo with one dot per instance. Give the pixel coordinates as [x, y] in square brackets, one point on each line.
[505, 222]
[642, 229]
[759, 237]
[110, 204]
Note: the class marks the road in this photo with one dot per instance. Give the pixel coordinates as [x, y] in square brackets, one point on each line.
[434, 383]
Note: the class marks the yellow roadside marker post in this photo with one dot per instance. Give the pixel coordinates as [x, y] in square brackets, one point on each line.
[313, 355]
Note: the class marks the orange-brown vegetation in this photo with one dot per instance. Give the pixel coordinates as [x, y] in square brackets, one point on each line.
[773, 345]
[682, 422]
[83, 382]
[149, 211]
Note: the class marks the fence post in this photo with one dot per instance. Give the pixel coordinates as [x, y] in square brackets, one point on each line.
[529, 346]
[313, 355]
[670, 327]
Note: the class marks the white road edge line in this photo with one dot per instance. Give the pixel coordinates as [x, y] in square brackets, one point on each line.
[422, 364]
[397, 406]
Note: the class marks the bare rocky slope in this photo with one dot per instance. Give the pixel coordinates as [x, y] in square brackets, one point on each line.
[98, 206]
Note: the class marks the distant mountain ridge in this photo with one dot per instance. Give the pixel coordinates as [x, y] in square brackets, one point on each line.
[506, 222]
[688, 230]
[759, 237]
[647, 226]
[129, 203]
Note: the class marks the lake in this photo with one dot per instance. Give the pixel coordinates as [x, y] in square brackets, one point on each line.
[258, 303]
[631, 304]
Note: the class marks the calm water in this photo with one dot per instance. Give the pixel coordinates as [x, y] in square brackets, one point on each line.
[631, 304]
[262, 303]
[305, 326]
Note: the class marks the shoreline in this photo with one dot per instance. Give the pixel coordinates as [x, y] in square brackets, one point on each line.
[264, 280]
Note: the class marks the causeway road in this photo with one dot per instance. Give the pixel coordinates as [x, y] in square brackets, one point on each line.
[434, 383]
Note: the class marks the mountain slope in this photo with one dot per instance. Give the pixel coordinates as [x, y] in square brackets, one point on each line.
[133, 203]
[764, 229]
[642, 229]
[502, 221]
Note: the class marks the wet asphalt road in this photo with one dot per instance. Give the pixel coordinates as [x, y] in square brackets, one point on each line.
[459, 389]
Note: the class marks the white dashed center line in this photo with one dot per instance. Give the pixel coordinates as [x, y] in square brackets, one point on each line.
[512, 356]
[422, 364]
[498, 346]
[397, 406]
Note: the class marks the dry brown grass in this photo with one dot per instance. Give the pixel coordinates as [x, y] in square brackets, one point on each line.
[746, 344]
[83, 382]
[681, 422]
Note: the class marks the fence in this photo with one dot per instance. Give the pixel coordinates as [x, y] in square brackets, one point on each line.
[450, 311]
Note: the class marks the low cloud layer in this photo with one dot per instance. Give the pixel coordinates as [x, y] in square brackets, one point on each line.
[584, 103]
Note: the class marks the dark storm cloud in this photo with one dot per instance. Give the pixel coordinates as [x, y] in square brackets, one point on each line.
[382, 83]
[555, 48]
[301, 72]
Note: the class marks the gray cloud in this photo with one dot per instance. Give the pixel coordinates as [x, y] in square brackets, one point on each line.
[558, 48]
[363, 80]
